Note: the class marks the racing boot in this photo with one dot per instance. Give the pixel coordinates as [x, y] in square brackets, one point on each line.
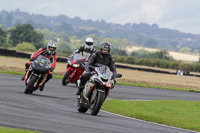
[48, 78]
[80, 88]
[26, 69]
[42, 87]
[23, 77]
[78, 92]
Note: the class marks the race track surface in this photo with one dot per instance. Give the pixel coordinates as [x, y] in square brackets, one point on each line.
[54, 109]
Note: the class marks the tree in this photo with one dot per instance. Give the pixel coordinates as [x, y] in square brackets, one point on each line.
[1, 19]
[8, 20]
[196, 51]
[185, 50]
[26, 33]
[49, 35]
[2, 37]
[25, 47]
[62, 45]
[64, 37]
[140, 39]
[65, 27]
[118, 52]
[152, 43]
[82, 32]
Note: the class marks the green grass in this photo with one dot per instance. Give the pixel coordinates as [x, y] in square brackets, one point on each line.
[11, 72]
[13, 130]
[182, 114]
[158, 87]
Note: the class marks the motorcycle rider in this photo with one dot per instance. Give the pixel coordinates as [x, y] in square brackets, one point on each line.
[86, 49]
[49, 52]
[102, 57]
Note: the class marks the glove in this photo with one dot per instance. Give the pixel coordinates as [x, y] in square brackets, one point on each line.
[51, 69]
[31, 59]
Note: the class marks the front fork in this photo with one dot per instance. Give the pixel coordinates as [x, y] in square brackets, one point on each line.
[89, 91]
[30, 73]
[73, 72]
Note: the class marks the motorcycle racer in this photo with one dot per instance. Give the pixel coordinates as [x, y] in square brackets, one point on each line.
[100, 57]
[86, 49]
[49, 52]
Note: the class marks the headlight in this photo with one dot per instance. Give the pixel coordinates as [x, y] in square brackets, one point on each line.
[76, 65]
[109, 85]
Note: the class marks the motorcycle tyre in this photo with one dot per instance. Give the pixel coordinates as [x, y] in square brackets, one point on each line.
[80, 107]
[65, 77]
[29, 87]
[100, 99]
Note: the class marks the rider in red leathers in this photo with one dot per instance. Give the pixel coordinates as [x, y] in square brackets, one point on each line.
[49, 52]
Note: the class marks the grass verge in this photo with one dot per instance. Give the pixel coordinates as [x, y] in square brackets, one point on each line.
[13, 130]
[119, 83]
[176, 113]
[157, 87]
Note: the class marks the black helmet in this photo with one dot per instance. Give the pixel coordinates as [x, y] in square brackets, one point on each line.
[107, 46]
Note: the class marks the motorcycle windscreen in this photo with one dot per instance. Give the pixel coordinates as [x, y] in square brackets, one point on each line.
[105, 72]
[76, 58]
[42, 64]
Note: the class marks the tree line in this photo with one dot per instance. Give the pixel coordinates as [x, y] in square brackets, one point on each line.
[142, 34]
[23, 37]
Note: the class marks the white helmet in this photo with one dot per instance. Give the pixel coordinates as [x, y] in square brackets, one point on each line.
[51, 47]
[89, 42]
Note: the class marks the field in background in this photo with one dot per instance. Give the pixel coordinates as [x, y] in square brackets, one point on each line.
[129, 76]
[176, 55]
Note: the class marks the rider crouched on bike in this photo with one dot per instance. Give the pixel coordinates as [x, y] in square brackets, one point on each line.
[87, 49]
[102, 57]
[49, 52]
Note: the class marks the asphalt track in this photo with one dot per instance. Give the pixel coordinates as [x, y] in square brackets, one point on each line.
[54, 109]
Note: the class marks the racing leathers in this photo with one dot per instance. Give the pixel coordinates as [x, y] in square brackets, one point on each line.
[96, 58]
[51, 56]
[86, 52]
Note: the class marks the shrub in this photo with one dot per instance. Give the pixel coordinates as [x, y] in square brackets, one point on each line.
[174, 65]
[25, 47]
[185, 67]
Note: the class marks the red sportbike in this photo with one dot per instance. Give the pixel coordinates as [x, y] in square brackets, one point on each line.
[75, 68]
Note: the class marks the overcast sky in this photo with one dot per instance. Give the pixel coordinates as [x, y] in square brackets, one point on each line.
[182, 15]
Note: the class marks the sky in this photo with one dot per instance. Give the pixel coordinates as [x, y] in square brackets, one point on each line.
[182, 15]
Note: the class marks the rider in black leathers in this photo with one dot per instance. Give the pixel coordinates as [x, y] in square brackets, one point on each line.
[100, 57]
[87, 50]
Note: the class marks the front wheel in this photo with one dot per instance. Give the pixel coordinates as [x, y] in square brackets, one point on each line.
[29, 87]
[65, 79]
[97, 103]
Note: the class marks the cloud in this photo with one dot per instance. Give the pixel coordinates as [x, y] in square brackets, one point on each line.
[176, 14]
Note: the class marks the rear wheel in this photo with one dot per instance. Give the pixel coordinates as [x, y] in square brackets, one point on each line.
[97, 103]
[29, 87]
[66, 79]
